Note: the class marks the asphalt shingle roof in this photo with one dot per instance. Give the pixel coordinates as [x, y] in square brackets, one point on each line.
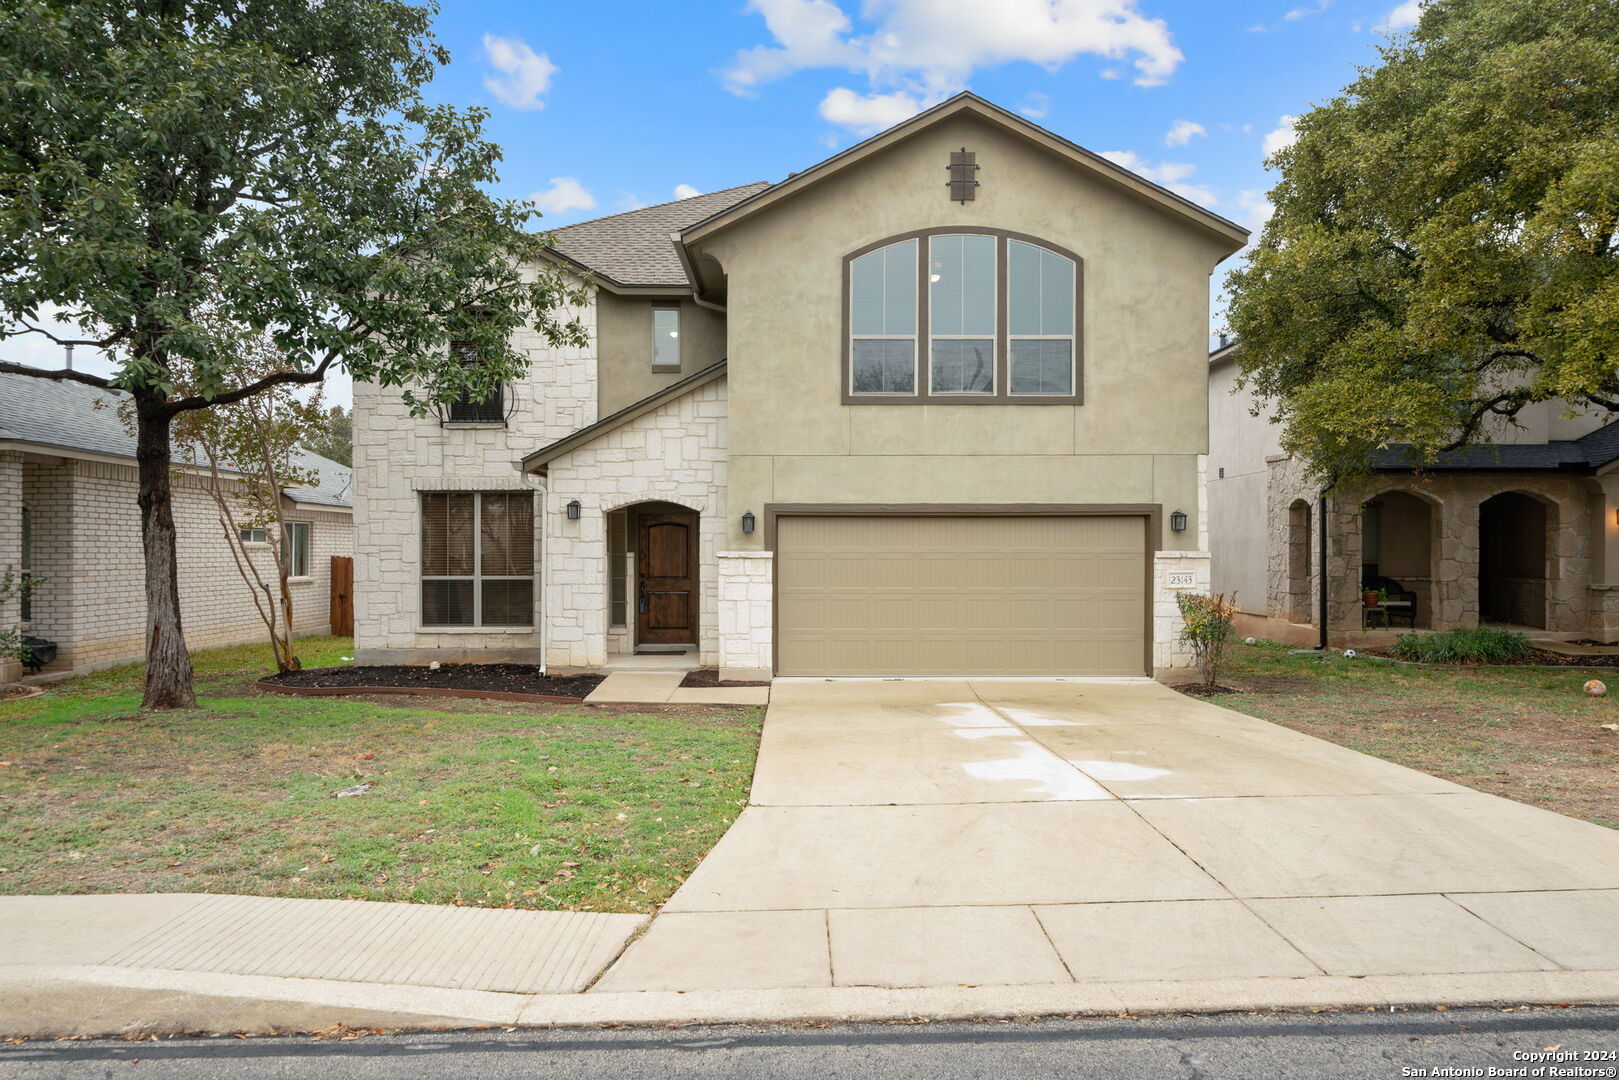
[75, 416]
[1590, 451]
[634, 248]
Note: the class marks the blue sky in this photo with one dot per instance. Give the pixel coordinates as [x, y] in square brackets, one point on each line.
[605, 107]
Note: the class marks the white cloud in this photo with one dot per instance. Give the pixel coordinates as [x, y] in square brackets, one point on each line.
[686, 191]
[1283, 136]
[1170, 174]
[1183, 132]
[867, 114]
[1036, 105]
[524, 74]
[1407, 14]
[564, 195]
[1306, 11]
[1111, 73]
[925, 50]
[1254, 209]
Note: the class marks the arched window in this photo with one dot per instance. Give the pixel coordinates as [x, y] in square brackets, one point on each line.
[965, 317]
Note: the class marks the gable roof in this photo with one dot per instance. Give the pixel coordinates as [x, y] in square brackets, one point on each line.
[634, 248]
[966, 102]
[64, 415]
[615, 420]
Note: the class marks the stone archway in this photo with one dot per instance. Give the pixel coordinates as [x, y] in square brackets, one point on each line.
[1400, 546]
[1513, 557]
[1300, 563]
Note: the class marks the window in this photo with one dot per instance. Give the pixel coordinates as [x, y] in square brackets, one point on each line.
[253, 536]
[882, 320]
[466, 409]
[295, 550]
[1040, 308]
[27, 567]
[666, 337]
[961, 314]
[618, 544]
[1001, 313]
[477, 559]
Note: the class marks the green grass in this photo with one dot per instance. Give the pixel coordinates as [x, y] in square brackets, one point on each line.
[1463, 645]
[565, 807]
[1525, 733]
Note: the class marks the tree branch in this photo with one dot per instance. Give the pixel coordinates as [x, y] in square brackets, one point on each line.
[56, 374]
[111, 339]
[230, 397]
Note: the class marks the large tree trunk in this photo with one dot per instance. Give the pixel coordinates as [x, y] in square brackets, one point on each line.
[168, 665]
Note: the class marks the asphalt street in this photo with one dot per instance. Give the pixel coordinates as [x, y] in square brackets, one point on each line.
[1571, 1042]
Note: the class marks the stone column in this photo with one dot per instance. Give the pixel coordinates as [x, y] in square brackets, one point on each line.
[746, 612]
[10, 547]
[1174, 572]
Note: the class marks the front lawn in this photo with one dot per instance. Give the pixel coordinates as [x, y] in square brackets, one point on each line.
[575, 807]
[1524, 733]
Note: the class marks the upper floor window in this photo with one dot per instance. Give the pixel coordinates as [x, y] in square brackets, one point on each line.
[666, 337]
[489, 408]
[1001, 314]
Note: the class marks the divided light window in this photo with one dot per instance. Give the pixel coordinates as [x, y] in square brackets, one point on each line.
[467, 409]
[882, 320]
[477, 558]
[1001, 315]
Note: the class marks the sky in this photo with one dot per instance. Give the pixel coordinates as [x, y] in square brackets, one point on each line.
[607, 107]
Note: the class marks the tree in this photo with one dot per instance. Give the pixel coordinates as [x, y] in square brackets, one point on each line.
[1208, 623]
[248, 451]
[1442, 252]
[173, 170]
[335, 442]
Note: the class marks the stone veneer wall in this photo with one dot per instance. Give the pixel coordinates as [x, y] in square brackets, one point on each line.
[1453, 500]
[398, 456]
[747, 611]
[1192, 570]
[676, 453]
[87, 548]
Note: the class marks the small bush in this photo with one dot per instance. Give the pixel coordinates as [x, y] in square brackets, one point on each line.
[1208, 629]
[1464, 645]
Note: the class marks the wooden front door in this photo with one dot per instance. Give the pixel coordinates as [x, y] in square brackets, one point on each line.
[666, 579]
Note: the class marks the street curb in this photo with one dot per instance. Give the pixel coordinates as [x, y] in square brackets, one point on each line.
[47, 1001]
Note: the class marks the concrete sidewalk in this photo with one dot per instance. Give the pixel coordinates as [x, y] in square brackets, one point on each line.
[654, 687]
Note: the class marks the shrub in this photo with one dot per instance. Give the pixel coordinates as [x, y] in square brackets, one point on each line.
[1208, 629]
[1463, 645]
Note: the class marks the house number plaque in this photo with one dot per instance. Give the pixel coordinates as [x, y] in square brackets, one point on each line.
[1181, 581]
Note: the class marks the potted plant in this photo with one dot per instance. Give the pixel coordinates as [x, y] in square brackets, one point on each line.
[1370, 597]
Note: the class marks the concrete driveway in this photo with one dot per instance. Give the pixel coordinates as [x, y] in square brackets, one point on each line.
[939, 833]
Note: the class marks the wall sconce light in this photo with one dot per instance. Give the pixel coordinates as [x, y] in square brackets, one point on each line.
[573, 510]
[747, 522]
[1177, 521]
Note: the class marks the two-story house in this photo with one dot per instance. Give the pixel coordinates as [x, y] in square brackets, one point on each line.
[934, 406]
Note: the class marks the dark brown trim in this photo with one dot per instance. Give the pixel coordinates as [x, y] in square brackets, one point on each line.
[1003, 364]
[623, 416]
[1234, 235]
[1150, 513]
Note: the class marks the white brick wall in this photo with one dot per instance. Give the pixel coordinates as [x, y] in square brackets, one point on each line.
[676, 453]
[1168, 651]
[86, 533]
[398, 456]
[747, 609]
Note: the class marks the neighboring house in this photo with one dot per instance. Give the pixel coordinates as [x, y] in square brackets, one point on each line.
[1522, 531]
[933, 406]
[68, 515]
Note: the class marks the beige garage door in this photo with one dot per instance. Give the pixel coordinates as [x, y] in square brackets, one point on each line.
[961, 595]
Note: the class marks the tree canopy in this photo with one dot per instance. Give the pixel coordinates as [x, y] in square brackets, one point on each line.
[178, 177]
[1443, 250]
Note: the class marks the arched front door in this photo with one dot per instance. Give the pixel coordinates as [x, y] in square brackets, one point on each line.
[666, 579]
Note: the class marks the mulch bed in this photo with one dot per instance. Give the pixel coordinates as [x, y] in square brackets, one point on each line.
[708, 677]
[486, 678]
[1200, 690]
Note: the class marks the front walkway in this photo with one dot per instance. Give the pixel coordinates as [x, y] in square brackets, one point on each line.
[942, 834]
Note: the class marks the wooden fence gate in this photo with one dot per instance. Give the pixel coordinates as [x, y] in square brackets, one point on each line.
[342, 595]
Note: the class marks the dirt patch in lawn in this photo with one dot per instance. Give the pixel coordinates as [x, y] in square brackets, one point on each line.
[709, 677]
[493, 678]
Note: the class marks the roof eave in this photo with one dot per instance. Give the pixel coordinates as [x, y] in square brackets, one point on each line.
[592, 432]
[612, 284]
[1212, 223]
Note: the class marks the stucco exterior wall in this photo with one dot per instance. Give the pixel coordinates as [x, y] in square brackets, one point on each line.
[624, 334]
[398, 456]
[1136, 438]
[86, 544]
[1235, 486]
[676, 453]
